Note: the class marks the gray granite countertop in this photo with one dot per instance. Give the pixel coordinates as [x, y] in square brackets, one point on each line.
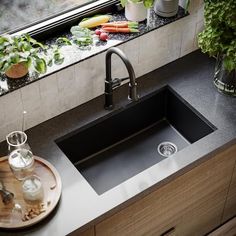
[80, 206]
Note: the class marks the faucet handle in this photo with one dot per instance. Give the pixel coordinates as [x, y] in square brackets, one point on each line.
[117, 81]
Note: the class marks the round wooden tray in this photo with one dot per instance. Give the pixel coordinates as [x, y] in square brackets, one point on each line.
[10, 217]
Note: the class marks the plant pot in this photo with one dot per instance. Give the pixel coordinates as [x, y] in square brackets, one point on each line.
[224, 80]
[135, 11]
[17, 71]
[166, 8]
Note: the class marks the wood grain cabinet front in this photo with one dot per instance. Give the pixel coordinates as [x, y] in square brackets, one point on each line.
[192, 204]
[230, 206]
[87, 232]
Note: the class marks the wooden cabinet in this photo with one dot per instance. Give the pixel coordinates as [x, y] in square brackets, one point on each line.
[230, 206]
[228, 229]
[192, 204]
[88, 232]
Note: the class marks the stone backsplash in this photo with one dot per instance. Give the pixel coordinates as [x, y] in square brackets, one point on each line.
[81, 82]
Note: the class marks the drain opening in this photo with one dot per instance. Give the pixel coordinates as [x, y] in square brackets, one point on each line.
[167, 149]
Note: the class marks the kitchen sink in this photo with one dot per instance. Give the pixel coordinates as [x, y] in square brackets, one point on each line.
[131, 139]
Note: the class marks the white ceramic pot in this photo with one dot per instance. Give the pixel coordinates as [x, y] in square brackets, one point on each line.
[166, 8]
[135, 11]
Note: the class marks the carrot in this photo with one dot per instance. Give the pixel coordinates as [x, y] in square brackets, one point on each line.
[121, 24]
[119, 30]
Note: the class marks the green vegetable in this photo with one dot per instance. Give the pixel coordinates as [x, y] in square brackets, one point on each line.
[187, 3]
[146, 3]
[219, 35]
[82, 36]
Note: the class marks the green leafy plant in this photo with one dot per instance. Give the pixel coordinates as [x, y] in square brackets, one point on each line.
[219, 36]
[25, 49]
[146, 3]
[82, 37]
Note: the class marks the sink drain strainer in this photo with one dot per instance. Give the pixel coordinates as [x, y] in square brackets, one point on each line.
[167, 149]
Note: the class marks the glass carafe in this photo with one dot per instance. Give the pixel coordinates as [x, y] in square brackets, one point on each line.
[20, 156]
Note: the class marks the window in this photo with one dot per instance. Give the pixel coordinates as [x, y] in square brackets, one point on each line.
[16, 15]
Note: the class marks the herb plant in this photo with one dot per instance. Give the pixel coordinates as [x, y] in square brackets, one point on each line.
[219, 36]
[146, 3]
[23, 48]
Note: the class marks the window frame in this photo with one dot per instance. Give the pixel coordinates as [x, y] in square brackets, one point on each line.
[61, 20]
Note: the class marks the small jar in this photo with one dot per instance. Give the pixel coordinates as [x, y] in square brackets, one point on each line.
[32, 188]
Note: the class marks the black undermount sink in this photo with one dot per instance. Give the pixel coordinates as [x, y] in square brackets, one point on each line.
[120, 145]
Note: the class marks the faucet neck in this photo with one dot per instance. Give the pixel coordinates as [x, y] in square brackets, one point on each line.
[126, 61]
[110, 84]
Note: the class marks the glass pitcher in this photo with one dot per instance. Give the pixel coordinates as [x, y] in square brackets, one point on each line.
[20, 156]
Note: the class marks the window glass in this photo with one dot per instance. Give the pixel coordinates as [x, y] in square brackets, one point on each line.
[15, 14]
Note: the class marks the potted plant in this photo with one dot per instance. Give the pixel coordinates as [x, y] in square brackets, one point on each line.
[218, 39]
[166, 8]
[136, 10]
[20, 53]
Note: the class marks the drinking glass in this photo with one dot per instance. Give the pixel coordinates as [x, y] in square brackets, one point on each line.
[32, 189]
[20, 156]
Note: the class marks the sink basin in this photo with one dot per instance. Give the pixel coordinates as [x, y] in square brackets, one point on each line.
[120, 145]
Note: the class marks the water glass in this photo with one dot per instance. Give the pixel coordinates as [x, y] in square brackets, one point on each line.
[32, 189]
[20, 156]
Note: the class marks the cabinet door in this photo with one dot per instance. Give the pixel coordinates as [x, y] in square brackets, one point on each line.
[209, 200]
[88, 232]
[192, 204]
[230, 206]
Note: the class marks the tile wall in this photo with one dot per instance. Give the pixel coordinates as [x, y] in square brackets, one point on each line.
[84, 81]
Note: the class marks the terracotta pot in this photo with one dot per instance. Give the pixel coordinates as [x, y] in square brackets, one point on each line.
[135, 11]
[17, 71]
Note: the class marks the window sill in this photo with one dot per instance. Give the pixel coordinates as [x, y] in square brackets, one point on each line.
[75, 55]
